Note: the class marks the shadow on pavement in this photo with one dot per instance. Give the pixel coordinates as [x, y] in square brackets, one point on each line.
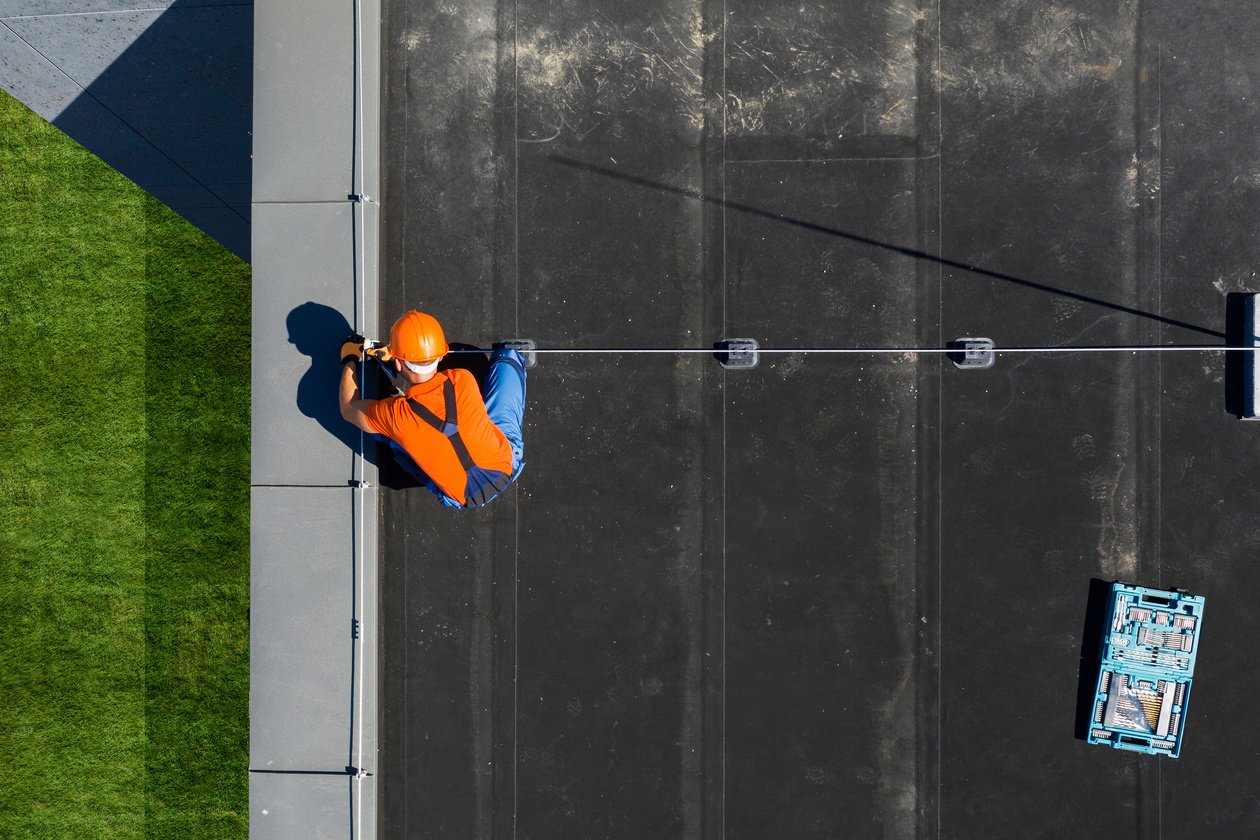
[174, 111]
[317, 330]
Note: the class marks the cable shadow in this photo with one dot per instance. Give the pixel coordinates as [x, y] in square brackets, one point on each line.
[865, 240]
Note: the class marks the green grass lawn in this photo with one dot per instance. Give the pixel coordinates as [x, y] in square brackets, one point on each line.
[124, 505]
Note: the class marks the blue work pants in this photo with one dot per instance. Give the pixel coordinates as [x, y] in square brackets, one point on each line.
[504, 394]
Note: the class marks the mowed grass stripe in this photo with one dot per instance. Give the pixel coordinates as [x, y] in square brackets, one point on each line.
[197, 342]
[120, 653]
[72, 526]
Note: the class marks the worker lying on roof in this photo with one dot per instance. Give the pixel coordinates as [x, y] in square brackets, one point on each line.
[464, 450]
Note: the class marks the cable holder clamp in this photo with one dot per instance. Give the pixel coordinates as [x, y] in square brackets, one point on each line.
[737, 353]
[971, 353]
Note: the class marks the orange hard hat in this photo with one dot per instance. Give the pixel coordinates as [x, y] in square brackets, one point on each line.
[417, 337]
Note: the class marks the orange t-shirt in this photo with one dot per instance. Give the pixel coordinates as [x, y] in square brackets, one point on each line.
[430, 449]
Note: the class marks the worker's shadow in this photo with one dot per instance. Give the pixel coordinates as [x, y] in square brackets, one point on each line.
[316, 330]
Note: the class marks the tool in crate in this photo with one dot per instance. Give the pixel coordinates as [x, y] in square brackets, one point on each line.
[1148, 654]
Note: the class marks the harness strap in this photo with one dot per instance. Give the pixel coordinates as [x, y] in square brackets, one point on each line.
[449, 426]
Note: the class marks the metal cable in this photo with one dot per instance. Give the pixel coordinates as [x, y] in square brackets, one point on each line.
[1170, 348]
[359, 222]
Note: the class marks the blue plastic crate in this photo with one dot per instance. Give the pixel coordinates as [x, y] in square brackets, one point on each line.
[1148, 653]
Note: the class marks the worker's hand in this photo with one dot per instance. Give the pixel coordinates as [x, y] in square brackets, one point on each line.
[352, 349]
[381, 353]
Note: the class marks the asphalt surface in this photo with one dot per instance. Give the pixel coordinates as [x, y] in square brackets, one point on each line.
[834, 596]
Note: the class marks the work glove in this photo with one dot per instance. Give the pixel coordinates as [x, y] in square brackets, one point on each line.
[352, 348]
[381, 353]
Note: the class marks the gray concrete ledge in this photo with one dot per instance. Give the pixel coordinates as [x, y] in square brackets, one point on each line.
[314, 505]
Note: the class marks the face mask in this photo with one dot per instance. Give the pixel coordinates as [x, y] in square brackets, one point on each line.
[422, 369]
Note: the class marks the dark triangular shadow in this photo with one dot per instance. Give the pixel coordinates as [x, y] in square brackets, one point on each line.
[173, 112]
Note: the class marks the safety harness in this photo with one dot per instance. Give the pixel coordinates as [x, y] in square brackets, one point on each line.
[481, 485]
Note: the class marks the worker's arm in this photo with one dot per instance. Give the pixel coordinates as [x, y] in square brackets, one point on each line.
[353, 409]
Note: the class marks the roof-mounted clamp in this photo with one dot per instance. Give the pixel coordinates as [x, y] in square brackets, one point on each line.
[737, 353]
[971, 353]
[525, 346]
